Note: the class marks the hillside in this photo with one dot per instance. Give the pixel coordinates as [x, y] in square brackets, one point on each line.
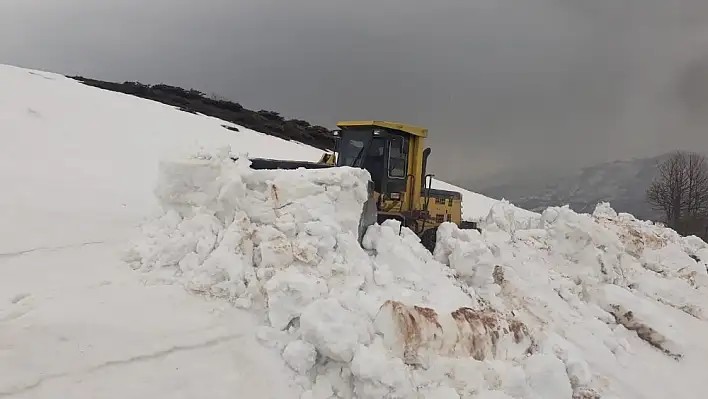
[622, 183]
[194, 101]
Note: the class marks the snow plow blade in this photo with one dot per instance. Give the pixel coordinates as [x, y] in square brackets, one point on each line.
[369, 212]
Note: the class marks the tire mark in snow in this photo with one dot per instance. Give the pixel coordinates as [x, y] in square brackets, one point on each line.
[15, 315]
[120, 362]
[57, 248]
[18, 308]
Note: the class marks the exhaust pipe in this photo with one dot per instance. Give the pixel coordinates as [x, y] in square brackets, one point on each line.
[426, 154]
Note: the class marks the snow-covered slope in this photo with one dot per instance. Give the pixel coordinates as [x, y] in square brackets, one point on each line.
[251, 283]
[78, 158]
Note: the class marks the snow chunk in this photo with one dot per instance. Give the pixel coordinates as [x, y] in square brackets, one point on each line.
[467, 253]
[333, 330]
[547, 377]
[289, 292]
[379, 375]
[300, 355]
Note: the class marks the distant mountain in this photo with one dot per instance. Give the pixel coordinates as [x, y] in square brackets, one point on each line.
[622, 183]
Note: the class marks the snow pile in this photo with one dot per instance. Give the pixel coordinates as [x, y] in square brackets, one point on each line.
[552, 305]
[284, 245]
[600, 291]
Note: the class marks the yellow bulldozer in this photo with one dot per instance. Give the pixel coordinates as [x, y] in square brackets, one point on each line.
[400, 187]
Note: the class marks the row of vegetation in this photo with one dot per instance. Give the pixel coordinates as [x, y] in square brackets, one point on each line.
[194, 101]
[680, 193]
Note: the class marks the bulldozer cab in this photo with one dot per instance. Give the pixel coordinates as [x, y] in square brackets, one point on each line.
[384, 153]
[394, 156]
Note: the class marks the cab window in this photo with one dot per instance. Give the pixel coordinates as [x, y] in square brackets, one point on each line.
[352, 146]
[397, 157]
[375, 161]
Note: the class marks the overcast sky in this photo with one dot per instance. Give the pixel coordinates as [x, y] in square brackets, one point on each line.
[503, 85]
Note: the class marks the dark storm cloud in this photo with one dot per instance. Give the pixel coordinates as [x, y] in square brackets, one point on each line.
[502, 84]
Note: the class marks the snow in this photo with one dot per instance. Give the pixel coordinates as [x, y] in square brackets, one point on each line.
[590, 284]
[551, 305]
[79, 167]
[85, 327]
[67, 143]
[135, 263]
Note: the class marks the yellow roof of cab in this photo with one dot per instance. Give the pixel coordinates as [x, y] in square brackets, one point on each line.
[414, 130]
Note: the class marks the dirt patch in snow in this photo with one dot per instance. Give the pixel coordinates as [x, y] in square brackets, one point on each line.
[654, 338]
[413, 331]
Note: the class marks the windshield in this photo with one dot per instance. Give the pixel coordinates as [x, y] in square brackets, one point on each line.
[353, 146]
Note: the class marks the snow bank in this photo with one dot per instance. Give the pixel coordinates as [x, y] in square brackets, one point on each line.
[597, 289]
[284, 245]
[552, 305]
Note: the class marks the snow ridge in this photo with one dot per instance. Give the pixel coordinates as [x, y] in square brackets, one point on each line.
[551, 305]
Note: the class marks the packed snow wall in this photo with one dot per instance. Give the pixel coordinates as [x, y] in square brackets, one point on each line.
[558, 305]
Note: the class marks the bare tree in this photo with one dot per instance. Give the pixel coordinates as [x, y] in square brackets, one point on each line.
[680, 191]
[217, 97]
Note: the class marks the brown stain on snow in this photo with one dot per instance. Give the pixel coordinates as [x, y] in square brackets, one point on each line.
[477, 332]
[429, 314]
[643, 330]
[274, 192]
[519, 329]
[498, 275]
[480, 331]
